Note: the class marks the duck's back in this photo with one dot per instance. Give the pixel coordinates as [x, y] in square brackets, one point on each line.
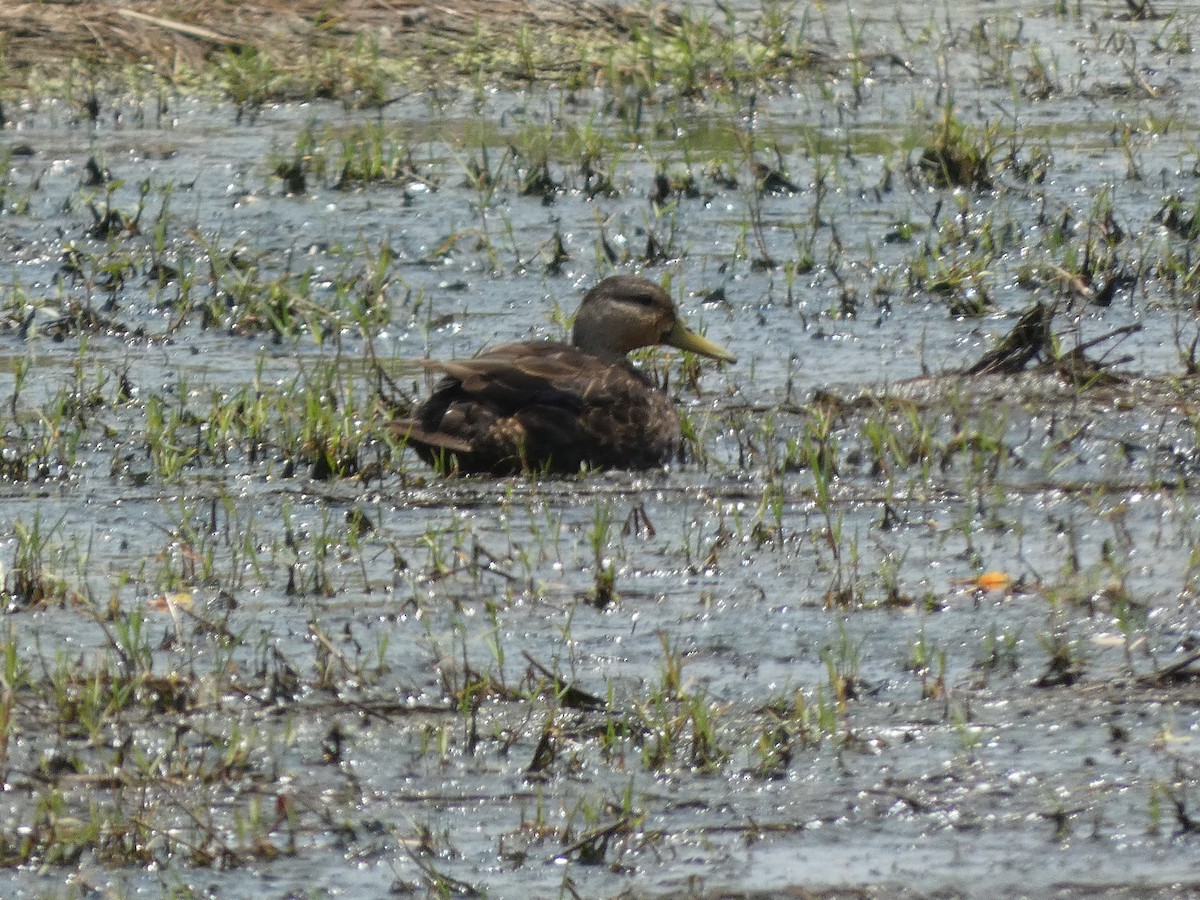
[544, 406]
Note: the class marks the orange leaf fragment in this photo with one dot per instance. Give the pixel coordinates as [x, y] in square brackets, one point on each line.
[994, 581]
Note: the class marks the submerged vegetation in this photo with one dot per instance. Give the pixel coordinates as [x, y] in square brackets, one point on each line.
[928, 567]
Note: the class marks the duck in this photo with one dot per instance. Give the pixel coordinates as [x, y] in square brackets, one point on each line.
[557, 408]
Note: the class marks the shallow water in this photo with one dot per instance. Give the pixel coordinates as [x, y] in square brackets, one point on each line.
[388, 687]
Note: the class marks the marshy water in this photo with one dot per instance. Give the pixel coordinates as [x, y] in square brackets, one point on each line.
[900, 623]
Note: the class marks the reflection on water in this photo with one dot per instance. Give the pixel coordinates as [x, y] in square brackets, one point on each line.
[799, 587]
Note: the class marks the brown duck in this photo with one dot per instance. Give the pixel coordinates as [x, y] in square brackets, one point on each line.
[553, 407]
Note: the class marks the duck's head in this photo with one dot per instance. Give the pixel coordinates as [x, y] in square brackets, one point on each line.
[624, 312]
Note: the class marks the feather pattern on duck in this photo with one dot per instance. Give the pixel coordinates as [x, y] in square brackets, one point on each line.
[549, 406]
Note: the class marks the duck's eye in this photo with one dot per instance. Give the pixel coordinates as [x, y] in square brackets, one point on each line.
[642, 299]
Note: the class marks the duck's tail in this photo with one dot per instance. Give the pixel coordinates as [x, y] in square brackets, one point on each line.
[410, 431]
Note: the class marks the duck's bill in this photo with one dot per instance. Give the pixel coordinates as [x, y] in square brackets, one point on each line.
[685, 339]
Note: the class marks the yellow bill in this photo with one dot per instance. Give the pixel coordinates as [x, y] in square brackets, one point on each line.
[685, 339]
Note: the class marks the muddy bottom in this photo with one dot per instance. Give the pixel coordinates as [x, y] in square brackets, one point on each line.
[897, 623]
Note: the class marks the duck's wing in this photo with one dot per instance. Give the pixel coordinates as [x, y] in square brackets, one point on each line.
[513, 376]
[481, 405]
[528, 405]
